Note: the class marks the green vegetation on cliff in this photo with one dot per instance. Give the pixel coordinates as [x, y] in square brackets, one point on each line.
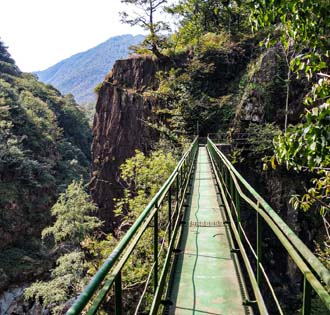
[302, 29]
[74, 223]
[44, 144]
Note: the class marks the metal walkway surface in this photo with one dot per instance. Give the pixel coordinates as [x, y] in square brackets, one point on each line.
[205, 279]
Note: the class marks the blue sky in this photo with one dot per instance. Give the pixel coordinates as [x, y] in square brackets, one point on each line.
[39, 33]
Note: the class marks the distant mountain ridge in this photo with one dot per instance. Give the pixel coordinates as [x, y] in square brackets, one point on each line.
[80, 73]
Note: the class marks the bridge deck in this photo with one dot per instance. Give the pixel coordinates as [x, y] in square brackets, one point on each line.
[205, 279]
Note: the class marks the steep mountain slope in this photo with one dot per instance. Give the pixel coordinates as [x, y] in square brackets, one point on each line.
[80, 73]
[44, 144]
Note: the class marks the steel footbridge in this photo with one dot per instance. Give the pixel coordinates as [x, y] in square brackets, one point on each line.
[208, 234]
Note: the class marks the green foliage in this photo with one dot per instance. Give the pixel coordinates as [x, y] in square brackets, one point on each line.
[98, 250]
[74, 223]
[303, 28]
[7, 64]
[317, 195]
[307, 144]
[306, 23]
[191, 102]
[27, 258]
[44, 144]
[4, 54]
[89, 111]
[144, 16]
[235, 156]
[260, 138]
[73, 211]
[98, 87]
[323, 252]
[18, 165]
[143, 177]
[66, 281]
[70, 114]
[198, 18]
[213, 41]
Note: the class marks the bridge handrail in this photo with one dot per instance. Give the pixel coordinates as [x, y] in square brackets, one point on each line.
[109, 263]
[298, 251]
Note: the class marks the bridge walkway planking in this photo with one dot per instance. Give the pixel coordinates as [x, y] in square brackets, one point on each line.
[206, 277]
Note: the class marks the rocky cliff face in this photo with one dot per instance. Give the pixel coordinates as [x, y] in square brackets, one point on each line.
[263, 101]
[120, 127]
[264, 95]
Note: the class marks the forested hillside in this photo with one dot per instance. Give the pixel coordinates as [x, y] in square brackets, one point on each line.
[80, 74]
[257, 70]
[44, 145]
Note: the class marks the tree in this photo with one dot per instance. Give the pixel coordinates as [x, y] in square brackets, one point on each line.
[4, 54]
[67, 279]
[305, 26]
[73, 211]
[73, 224]
[7, 64]
[145, 18]
[198, 17]
[142, 177]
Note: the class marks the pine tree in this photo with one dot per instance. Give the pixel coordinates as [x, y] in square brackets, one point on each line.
[144, 16]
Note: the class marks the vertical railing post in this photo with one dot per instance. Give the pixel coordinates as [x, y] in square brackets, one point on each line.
[177, 192]
[238, 209]
[221, 167]
[231, 192]
[181, 178]
[259, 248]
[306, 309]
[118, 295]
[225, 173]
[156, 249]
[169, 214]
[184, 172]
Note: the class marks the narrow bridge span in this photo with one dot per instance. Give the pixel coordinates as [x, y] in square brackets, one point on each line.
[206, 278]
[204, 258]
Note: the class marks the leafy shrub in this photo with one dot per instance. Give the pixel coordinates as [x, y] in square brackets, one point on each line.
[260, 138]
[73, 211]
[67, 278]
[73, 224]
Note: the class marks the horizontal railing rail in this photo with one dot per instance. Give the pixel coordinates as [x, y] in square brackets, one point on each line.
[234, 188]
[230, 138]
[109, 276]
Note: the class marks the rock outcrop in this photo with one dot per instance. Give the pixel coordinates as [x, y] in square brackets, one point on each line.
[263, 99]
[121, 126]
[264, 95]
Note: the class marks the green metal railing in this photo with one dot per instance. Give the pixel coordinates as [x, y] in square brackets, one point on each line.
[171, 198]
[234, 189]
